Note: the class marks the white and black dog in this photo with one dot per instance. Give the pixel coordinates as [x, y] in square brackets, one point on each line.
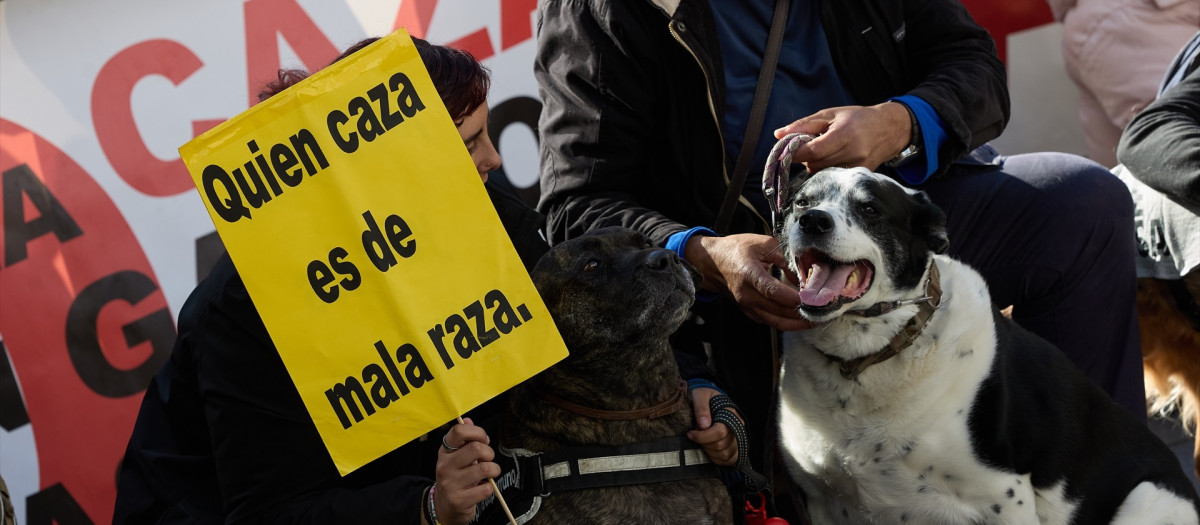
[915, 401]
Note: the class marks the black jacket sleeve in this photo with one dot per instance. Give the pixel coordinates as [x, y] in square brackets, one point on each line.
[271, 464]
[932, 49]
[958, 72]
[1161, 145]
[630, 127]
[595, 70]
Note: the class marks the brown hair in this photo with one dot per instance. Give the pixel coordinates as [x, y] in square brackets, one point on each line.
[460, 80]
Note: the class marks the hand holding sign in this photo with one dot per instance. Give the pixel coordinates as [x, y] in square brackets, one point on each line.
[368, 278]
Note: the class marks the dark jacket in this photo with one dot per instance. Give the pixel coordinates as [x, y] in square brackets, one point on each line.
[1161, 145]
[222, 435]
[631, 89]
[631, 132]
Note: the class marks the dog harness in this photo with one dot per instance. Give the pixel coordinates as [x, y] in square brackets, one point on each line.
[927, 304]
[530, 476]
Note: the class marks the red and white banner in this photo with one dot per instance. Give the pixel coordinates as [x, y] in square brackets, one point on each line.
[103, 234]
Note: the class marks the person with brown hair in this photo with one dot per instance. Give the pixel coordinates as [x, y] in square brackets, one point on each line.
[223, 436]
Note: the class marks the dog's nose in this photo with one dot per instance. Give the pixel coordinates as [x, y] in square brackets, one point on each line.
[816, 222]
[660, 259]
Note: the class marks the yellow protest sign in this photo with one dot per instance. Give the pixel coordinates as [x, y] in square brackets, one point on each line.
[359, 225]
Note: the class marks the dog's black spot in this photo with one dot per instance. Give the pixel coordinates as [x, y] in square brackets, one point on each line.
[1018, 481]
[862, 327]
[996, 508]
[929, 468]
[963, 354]
[1020, 502]
[904, 518]
[948, 477]
[1011, 493]
[920, 477]
[876, 459]
[887, 472]
[862, 463]
[960, 411]
[908, 448]
[843, 401]
[878, 447]
[922, 488]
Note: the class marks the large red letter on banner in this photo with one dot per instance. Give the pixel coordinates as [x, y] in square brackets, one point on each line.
[265, 20]
[112, 114]
[85, 323]
[516, 26]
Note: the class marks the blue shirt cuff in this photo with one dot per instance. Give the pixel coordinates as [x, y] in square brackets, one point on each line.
[677, 243]
[700, 382]
[933, 135]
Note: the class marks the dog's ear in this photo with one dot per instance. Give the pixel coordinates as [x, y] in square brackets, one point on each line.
[929, 222]
[799, 176]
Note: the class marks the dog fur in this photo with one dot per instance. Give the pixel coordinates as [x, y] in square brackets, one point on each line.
[616, 300]
[1170, 359]
[978, 421]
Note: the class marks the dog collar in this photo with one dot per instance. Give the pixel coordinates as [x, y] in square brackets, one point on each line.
[933, 295]
[851, 368]
[670, 406]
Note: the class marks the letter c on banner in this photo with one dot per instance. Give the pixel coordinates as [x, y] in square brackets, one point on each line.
[112, 114]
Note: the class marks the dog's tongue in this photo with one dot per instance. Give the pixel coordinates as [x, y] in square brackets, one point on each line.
[825, 283]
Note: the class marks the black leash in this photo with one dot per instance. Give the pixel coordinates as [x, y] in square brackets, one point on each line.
[758, 110]
[722, 408]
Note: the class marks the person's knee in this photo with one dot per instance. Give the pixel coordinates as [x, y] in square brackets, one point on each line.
[1099, 189]
[1072, 182]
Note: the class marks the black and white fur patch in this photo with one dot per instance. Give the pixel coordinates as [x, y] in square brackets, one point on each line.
[978, 421]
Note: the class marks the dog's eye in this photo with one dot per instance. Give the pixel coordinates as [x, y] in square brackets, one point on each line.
[869, 209]
[591, 266]
[802, 202]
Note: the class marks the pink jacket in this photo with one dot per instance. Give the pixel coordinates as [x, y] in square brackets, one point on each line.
[1117, 51]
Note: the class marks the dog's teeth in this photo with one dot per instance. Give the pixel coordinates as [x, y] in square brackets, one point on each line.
[853, 280]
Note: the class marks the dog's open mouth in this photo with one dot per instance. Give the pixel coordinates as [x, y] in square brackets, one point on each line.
[826, 284]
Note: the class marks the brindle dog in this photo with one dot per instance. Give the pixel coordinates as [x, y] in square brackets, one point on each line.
[616, 299]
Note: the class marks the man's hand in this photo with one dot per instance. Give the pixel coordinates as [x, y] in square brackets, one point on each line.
[462, 473]
[740, 267]
[717, 440]
[851, 136]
